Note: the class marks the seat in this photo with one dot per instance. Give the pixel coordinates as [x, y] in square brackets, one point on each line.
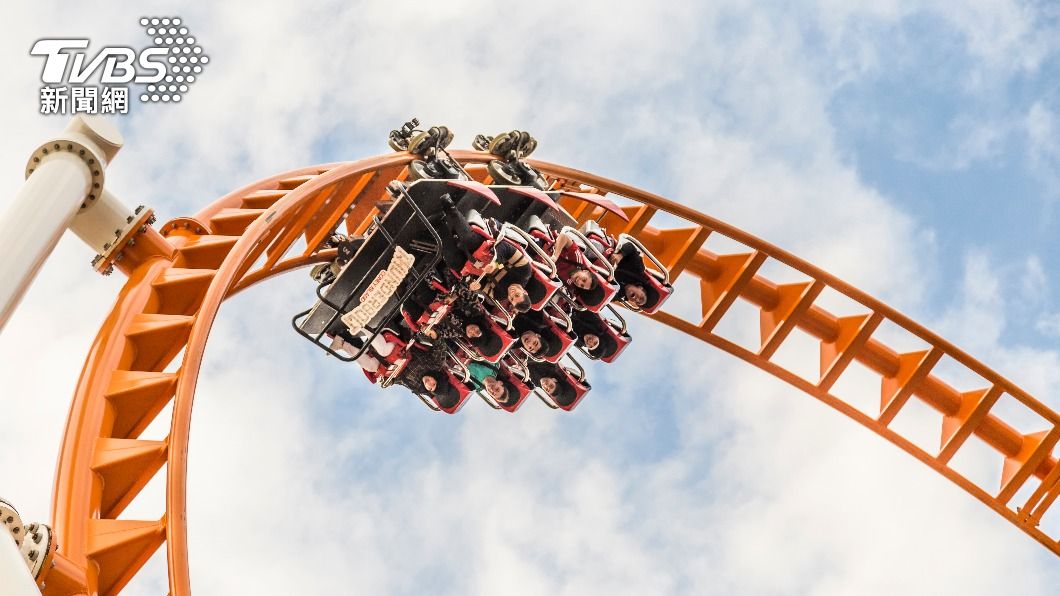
[542, 286]
[496, 327]
[536, 227]
[459, 379]
[519, 382]
[662, 289]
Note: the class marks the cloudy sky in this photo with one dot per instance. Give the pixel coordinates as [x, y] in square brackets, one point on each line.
[910, 148]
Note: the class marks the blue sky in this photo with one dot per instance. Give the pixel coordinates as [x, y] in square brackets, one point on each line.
[909, 148]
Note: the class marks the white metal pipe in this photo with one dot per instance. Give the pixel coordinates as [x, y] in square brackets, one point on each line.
[98, 223]
[34, 222]
[15, 578]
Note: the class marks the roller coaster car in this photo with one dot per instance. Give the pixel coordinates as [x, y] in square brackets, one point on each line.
[402, 246]
[571, 384]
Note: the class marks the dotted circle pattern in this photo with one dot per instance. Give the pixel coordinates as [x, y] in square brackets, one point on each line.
[185, 59]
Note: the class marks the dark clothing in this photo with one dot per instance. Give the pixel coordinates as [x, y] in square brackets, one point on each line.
[564, 393]
[591, 323]
[535, 321]
[630, 269]
[429, 361]
[461, 241]
[515, 269]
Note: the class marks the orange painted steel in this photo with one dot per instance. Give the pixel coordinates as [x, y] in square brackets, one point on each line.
[172, 296]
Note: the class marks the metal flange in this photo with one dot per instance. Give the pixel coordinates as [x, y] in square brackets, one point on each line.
[12, 521]
[124, 237]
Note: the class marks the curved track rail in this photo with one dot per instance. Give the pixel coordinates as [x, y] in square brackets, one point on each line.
[168, 305]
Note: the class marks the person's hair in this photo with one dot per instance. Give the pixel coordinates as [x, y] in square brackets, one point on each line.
[592, 296]
[651, 295]
[550, 346]
[607, 346]
[523, 305]
[489, 343]
[510, 392]
[564, 394]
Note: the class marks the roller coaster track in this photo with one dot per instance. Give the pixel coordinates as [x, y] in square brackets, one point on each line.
[169, 303]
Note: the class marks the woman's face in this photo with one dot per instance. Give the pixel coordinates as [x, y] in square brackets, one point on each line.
[591, 341]
[636, 295]
[495, 388]
[531, 341]
[582, 279]
[473, 331]
[429, 383]
[549, 384]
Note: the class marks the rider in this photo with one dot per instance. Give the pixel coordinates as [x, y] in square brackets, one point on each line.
[504, 278]
[535, 335]
[425, 371]
[592, 335]
[487, 376]
[552, 381]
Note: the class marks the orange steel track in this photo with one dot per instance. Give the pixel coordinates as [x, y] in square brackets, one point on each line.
[171, 298]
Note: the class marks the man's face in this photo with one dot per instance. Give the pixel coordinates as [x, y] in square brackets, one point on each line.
[549, 384]
[636, 295]
[591, 341]
[473, 331]
[582, 279]
[531, 341]
[495, 388]
[517, 293]
[429, 383]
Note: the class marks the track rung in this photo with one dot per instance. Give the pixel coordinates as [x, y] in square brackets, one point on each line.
[120, 548]
[1036, 447]
[294, 181]
[676, 246]
[777, 323]
[895, 391]
[180, 291]
[125, 466]
[262, 199]
[836, 355]
[956, 429]
[155, 340]
[234, 222]
[205, 252]
[1042, 498]
[718, 294]
[135, 398]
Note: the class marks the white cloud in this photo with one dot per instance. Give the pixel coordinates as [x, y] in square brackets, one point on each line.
[305, 480]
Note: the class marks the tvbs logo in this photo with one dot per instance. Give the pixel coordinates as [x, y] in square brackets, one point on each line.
[166, 69]
[119, 64]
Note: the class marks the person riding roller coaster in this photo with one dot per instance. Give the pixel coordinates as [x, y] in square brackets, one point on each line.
[535, 336]
[488, 377]
[630, 274]
[476, 328]
[550, 379]
[569, 267]
[592, 336]
[504, 278]
[424, 372]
